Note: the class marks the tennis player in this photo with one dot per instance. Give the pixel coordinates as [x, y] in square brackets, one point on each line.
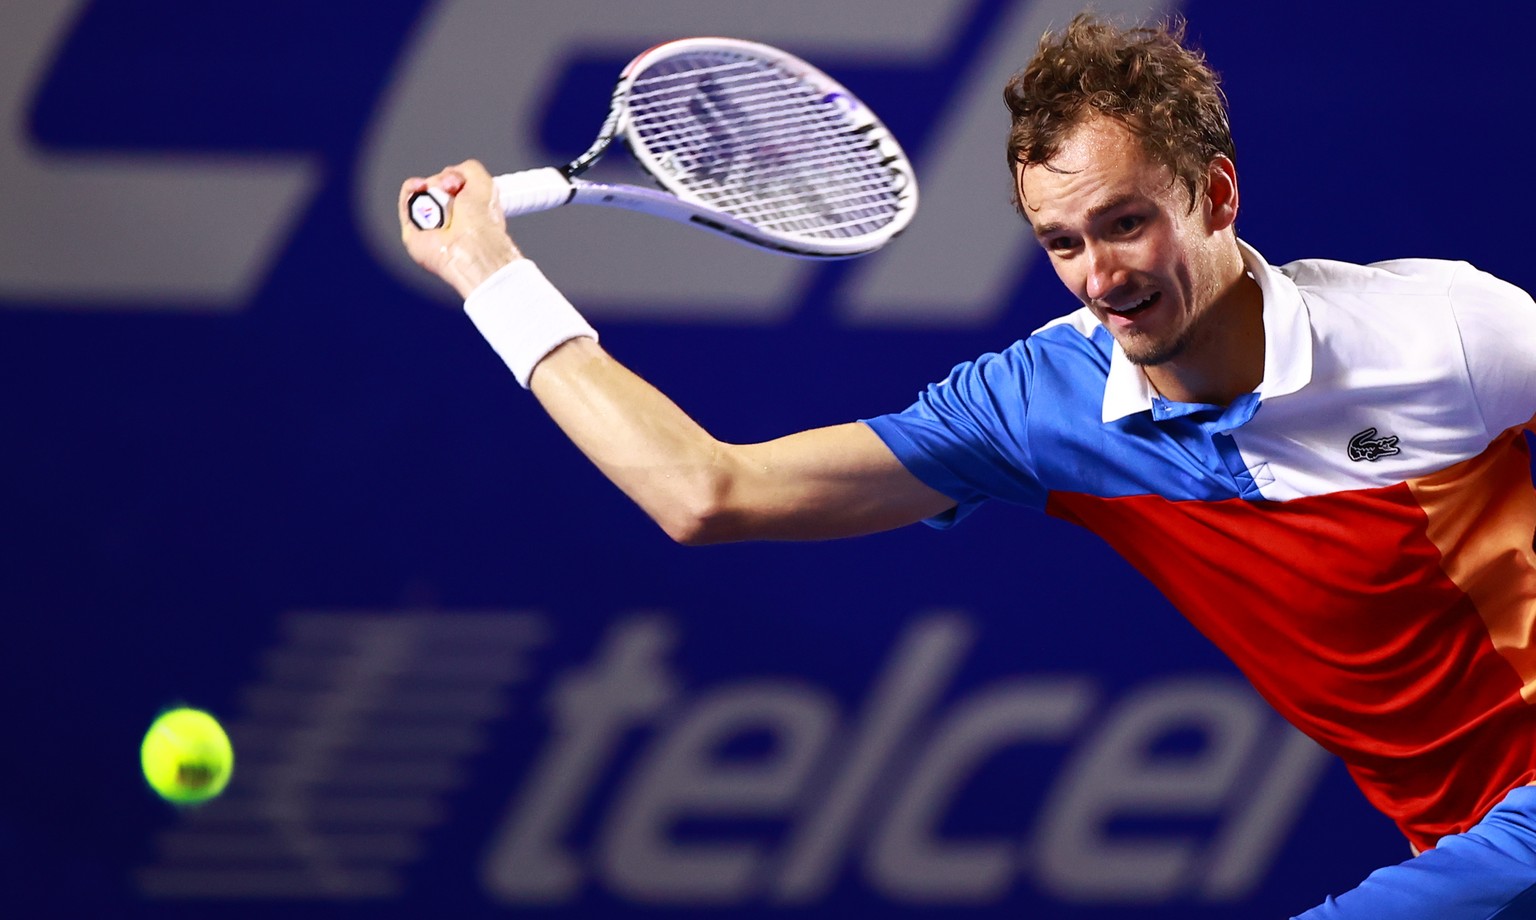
[1323, 465]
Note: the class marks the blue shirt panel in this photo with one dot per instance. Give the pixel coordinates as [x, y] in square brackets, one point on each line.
[1019, 424]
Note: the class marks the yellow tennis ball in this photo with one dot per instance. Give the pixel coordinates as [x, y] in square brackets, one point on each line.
[186, 756]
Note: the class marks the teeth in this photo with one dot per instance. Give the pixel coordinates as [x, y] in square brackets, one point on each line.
[1135, 306]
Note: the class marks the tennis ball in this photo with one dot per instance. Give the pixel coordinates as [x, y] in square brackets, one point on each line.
[186, 756]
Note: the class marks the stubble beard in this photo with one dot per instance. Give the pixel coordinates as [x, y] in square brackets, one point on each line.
[1144, 351]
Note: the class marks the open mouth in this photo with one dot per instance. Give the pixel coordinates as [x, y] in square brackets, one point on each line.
[1140, 305]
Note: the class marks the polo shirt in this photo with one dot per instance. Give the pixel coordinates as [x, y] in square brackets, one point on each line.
[1356, 533]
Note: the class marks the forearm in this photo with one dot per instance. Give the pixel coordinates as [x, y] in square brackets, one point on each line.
[658, 456]
[821, 484]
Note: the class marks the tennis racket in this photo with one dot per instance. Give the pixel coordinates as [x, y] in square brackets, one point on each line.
[743, 139]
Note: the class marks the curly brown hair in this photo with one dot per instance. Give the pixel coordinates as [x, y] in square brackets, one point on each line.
[1143, 77]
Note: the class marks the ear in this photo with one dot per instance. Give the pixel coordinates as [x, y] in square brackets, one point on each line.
[1221, 194]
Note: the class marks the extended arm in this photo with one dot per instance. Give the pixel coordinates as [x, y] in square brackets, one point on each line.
[828, 482]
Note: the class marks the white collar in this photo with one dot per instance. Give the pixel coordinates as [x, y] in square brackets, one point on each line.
[1287, 346]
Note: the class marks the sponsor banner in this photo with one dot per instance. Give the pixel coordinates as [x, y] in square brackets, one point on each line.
[644, 786]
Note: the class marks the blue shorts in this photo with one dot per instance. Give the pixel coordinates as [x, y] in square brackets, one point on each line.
[1485, 873]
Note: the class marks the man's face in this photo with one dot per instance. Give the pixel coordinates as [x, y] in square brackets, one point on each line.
[1121, 235]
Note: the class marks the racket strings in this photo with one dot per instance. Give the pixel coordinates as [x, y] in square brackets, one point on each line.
[759, 143]
[799, 131]
[813, 192]
[797, 127]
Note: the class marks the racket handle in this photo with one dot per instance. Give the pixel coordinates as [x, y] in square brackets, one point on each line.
[429, 209]
[533, 190]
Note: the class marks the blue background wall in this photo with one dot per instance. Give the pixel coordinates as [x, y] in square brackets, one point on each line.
[252, 463]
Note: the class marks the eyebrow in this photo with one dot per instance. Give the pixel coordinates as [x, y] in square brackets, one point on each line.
[1094, 213]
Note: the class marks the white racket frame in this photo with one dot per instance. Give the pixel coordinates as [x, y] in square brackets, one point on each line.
[544, 189]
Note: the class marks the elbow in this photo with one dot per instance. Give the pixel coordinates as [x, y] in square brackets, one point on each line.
[695, 526]
[702, 517]
[704, 504]
[689, 535]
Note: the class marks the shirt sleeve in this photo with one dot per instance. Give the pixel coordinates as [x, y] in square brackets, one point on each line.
[1497, 322]
[966, 436]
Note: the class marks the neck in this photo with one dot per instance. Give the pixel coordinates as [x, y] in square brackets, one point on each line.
[1225, 360]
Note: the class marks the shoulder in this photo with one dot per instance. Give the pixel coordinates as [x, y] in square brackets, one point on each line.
[1069, 329]
[1070, 353]
[1398, 277]
[1460, 288]
[1436, 295]
[1077, 335]
[1444, 325]
[1074, 338]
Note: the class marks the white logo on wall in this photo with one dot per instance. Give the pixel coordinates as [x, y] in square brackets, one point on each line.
[109, 231]
[362, 725]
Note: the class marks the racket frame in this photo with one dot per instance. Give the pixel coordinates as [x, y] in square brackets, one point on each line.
[685, 205]
[535, 190]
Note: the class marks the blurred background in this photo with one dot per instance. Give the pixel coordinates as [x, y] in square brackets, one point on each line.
[256, 462]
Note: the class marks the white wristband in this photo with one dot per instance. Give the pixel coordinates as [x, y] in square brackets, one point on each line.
[524, 317]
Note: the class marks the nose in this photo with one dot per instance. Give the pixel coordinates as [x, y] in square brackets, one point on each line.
[1105, 271]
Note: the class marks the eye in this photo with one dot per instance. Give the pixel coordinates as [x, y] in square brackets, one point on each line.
[1060, 244]
[1127, 223]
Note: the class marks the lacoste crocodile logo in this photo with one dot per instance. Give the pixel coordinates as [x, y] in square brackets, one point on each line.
[1366, 446]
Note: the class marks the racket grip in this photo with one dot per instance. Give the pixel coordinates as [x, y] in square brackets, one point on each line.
[429, 209]
[533, 190]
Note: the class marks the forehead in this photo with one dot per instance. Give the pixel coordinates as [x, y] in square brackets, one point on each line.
[1100, 161]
